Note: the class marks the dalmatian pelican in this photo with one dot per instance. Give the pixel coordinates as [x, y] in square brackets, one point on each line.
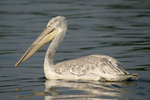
[92, 67]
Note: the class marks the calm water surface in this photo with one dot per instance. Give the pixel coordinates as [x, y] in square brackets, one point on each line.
[118, 28]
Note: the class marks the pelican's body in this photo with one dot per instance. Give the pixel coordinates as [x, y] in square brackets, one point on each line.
[92, 67]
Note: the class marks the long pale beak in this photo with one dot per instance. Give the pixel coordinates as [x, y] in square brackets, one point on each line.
[47, 35]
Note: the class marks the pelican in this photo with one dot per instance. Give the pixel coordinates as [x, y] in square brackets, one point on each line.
[92, 67]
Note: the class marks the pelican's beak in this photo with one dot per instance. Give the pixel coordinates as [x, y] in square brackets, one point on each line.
[47, 35]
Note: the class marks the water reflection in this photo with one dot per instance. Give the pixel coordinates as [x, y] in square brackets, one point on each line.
[62, 89]
[86, 89]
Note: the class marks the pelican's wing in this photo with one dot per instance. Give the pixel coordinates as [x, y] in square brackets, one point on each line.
[96, 65]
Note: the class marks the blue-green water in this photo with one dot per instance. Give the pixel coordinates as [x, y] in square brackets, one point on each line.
[118, 28]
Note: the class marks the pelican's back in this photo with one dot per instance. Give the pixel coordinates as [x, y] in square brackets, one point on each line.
[92, 67]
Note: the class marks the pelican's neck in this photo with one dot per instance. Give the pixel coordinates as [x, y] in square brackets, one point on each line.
[48, 62]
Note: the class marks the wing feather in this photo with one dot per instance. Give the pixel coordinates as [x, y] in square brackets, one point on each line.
[99, 65]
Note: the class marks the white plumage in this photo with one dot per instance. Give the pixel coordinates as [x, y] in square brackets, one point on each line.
[92, 67]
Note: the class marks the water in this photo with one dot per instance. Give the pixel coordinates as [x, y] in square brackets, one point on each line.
[119, 28]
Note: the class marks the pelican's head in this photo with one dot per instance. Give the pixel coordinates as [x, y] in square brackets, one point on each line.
[57, 22]
[54, 26]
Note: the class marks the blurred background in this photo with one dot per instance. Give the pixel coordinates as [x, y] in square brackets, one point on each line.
[117, 28]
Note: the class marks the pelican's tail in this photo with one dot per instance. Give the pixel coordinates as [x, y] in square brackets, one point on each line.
[135, 76]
